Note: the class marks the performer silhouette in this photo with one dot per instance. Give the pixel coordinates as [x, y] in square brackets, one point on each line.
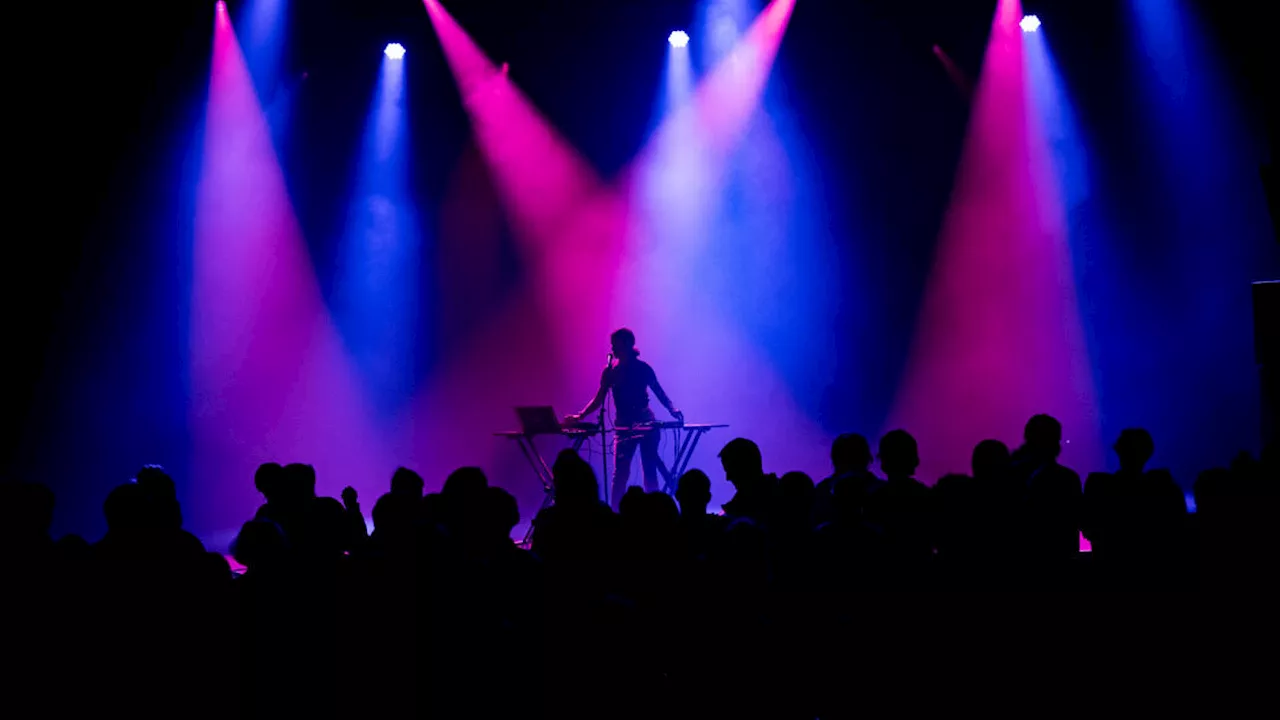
[630, 379]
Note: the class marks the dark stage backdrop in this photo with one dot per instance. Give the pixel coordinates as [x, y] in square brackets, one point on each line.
[1168, 236]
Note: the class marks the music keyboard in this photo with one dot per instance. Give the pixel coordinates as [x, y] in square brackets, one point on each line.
[667, 426]
[568, 431]
[577, 429]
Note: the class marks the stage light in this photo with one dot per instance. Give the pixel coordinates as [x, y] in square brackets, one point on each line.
[220, 7]
[678, 39]
[394, 51]
[1030, 23]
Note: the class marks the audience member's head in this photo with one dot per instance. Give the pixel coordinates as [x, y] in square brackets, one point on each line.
[575, 480]
[322, 534]
[267, 479]
[850, 453]
[1043, 437]
[795, 497]
[566, 462]
[299, 480]
[795, 485]
[431, 508]
[465, 482]
[350, 497]
[660, 511]
[407, 482]
[398, 515]
[260, 543]
[899, 455]
[462, 499]
[156, 482]
[75, 550]
[129, 509]
[501, 514]
[631, 502]
[1134, 447]
[694, 493]
[160, 487]
[990, 459]
[741, 460]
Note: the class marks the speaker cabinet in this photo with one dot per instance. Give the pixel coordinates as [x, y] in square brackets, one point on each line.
[1266, 322]
[1269, 184]
[1266, 339]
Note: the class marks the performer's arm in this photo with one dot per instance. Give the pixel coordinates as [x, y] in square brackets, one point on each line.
[661, 394]
[596, 401]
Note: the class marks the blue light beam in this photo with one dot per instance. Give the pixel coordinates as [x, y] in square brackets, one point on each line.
[376, 287]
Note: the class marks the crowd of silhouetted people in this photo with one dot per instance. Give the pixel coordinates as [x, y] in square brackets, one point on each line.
[866, 593]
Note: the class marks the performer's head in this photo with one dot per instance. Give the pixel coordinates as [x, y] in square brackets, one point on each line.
[623, 343]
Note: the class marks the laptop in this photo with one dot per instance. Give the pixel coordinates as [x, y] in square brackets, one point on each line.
[541, 420]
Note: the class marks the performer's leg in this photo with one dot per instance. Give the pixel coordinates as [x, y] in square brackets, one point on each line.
[649, 459]
[624, 453]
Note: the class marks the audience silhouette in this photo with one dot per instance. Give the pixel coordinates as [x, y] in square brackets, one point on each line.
[798, 601]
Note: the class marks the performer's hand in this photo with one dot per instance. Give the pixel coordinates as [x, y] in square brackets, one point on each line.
[679, 416]
[572, 419]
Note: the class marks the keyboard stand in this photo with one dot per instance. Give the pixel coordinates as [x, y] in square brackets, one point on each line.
[686, 440]
[541, 468]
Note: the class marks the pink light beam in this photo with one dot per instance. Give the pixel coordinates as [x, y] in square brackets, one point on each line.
[999, 337]
[550, 194]
[957, 74]
[541, 177]
[268, 374]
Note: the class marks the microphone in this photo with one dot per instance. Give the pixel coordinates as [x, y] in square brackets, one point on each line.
[608, 362]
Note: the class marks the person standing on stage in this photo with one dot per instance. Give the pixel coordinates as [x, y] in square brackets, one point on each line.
[630, 379]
